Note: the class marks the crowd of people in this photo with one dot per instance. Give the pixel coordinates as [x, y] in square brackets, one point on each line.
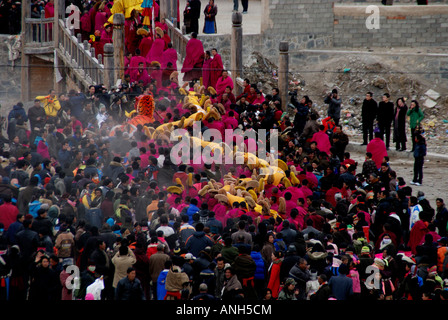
[83, 188]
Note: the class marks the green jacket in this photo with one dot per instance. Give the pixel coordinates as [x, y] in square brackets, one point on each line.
[415, 117]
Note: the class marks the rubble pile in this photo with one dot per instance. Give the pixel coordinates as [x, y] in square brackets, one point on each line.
[353, 77]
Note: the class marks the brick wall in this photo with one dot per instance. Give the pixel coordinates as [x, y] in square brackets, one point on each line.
[302, 17]
[400, 26]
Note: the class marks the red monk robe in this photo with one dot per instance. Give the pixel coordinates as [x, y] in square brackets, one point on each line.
[140, 74]
[216, 66]
[378, 149]
[131, 39]
[169, 55]
[134, 62]
[323, 141]
[206, 72]
[194, 59]
[145, 45]
[418, 231]
[156, 51]
[223, 82]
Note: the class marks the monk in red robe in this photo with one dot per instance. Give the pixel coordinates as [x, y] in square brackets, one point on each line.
[378, 149]
[157, 48]
[194, 59]
[223, 82]
[140, 74]
[206, 72]
[146, 42]
[216, 66]
[131, 38]
[169, 55]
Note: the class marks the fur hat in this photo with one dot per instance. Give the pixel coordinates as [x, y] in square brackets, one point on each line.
[213, 113]
[204, 190]
[250, 202]
[220, 108]
[281, 205]
[173, 76]
[252, 184]
[222, 198]
[265, 206]
[142, 32]
[159, 31]
[155, 64]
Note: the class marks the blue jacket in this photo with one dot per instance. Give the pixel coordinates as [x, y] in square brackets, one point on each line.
[341, 286]
[16, 111]
[161, 291]
[64, 156]
[259, 262]
[420, 150]
[192, 209]
[197, 242]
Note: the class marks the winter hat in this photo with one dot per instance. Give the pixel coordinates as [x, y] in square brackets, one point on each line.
[189, 256]
[379, 263]
[432, 270]
[289, 281]
[365, 249]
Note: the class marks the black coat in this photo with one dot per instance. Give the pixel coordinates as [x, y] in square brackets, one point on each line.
[44, 284]
[129, 290]
[385, 112]
[369, 110]
[322, 294]
[400, 123]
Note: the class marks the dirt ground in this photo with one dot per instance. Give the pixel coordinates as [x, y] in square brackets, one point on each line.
[434, 184]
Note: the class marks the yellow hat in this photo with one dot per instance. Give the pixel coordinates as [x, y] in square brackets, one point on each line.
[253, 194]
[286, 182]
[294, 180]
[281, 164]
[174, 189]
[155, 64]
[211, 90]
[142, 32]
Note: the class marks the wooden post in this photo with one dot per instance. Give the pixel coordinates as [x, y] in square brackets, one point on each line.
[236, 50]
[283, 70]
[118, 41]
[109, 74]
[25, 82]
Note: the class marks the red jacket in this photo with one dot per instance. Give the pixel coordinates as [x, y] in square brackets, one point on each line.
[8, 214]
[274, 278]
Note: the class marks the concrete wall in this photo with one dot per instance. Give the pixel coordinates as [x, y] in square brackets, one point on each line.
[400, 26]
